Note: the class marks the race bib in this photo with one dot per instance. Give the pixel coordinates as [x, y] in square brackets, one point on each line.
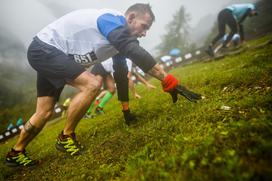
[85, 59]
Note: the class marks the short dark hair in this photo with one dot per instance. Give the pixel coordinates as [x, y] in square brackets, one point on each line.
[142, 9]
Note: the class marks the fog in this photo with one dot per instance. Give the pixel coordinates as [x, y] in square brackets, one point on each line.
[21, 20]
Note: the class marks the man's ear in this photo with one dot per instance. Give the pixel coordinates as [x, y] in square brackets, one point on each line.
[131, 17]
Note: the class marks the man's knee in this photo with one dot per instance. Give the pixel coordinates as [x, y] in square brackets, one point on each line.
[45, 114]
[93, 86]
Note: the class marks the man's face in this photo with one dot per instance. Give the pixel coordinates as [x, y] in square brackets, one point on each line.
[139, 24]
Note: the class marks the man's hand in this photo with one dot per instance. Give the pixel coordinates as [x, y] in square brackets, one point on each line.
[170, 85]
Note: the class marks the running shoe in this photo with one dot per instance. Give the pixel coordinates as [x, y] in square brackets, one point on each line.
[19, 159]
[68, 144]
[99, 110]
[88, 116]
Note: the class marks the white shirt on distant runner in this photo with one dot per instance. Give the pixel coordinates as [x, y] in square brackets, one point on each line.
[108, 65]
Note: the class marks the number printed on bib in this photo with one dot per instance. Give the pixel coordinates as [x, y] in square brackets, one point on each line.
[85, 59]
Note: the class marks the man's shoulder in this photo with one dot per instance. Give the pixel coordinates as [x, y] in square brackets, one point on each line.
[110, 20]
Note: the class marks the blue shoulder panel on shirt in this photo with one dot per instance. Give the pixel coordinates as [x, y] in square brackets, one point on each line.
[108, 22]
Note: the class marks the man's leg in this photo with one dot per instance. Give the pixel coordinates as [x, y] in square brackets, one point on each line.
[96, 102]
[121, 79]
[233, 30]
[101, 94]
[231, 22]
[109, 93]
[37, 121]
[221, 32]
[44, 109]
[88, 86]
[218, 47]
[110, 84]
[89, 110]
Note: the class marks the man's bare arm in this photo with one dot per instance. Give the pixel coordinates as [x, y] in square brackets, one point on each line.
[157, 72]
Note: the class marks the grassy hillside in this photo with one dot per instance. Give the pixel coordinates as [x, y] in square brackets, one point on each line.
[182, 141]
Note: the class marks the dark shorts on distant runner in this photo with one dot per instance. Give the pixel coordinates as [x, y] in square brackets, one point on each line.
[54, 68]
[98, 69]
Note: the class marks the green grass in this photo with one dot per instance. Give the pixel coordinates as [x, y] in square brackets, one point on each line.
[182, 141]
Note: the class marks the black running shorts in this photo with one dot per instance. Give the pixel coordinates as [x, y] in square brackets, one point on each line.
[54, 68]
